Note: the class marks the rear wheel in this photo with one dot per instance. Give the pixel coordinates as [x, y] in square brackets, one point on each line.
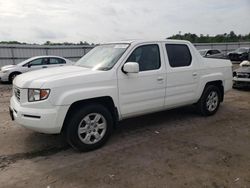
[89, 128]
[209, 101]
[230, 57]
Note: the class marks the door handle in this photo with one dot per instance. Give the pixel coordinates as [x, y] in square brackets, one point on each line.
[195, 74]
[159, 78]
[44, 67]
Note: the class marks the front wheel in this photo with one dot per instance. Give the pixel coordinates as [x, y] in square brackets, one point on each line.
[13, 76]
[209, 101]
[89, 128]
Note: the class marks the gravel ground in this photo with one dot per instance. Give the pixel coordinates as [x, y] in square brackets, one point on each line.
[176, 148]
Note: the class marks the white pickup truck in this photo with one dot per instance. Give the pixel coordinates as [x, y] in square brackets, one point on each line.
[115, 81]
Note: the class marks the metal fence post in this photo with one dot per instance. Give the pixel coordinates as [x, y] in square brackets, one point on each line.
[46, 51]
[84, 50]
[12, 55]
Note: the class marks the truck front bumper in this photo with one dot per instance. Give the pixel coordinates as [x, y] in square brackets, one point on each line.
[44, 120]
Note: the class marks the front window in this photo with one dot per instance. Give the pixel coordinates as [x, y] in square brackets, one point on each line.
[102, 57]
[40, 61]
[147, 56]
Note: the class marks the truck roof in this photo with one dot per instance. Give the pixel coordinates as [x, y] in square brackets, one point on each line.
[148, 41]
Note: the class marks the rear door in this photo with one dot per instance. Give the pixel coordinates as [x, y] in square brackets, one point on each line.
[144, 91]
[182, 75]
[55, 62]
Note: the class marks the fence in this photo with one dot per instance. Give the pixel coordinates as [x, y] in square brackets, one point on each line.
[224, 47]
[13, 54]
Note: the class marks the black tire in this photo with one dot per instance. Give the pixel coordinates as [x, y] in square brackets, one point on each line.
[12, 76]
[203, 107]
[71, 132]
[230, 56]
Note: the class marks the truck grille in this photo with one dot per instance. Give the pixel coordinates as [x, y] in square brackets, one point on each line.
[17, 93]
[243, 75]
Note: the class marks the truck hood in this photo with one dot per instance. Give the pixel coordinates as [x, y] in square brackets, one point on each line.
[36, 79]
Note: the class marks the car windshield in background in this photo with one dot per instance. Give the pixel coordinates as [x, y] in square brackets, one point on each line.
[203, 52]
[242, 50]
[102, 57]
[25, 61]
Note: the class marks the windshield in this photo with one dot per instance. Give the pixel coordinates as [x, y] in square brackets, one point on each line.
[25, 61]
[241, 50]
[103, 57]
[203, 52]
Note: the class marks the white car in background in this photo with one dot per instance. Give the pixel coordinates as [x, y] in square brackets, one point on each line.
[9, 72]
[209, 52]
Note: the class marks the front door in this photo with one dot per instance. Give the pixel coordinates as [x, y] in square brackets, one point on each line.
[56, 62]
[37, 64]
[144, 91]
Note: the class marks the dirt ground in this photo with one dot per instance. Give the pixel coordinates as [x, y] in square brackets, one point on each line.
[176, 148]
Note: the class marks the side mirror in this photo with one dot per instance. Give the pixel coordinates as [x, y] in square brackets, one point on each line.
[131, 67]
[29, 65]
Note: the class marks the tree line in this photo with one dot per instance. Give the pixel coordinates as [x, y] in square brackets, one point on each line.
[226, 37]
[48, 43]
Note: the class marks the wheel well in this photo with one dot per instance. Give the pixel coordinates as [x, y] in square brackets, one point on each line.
[105, 101]
[219, 84]
[15, 72]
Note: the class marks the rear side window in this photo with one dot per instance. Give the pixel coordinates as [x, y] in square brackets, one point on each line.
[147, 56]
[178, 55]
[56, 61]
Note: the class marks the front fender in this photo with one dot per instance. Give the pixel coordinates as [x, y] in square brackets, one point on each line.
[69, 96]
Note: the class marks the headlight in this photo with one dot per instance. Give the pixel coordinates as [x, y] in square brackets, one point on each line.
[5, 71]
[38, 94]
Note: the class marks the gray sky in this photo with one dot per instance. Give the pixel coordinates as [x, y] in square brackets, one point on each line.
[36, 21]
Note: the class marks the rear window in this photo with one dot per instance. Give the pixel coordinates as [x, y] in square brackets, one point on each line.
[178, 55]
[57, 61]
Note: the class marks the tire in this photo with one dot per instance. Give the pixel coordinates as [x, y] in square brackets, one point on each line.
[210, 101]
[84, 133]
[230, 56]
[12, 76]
